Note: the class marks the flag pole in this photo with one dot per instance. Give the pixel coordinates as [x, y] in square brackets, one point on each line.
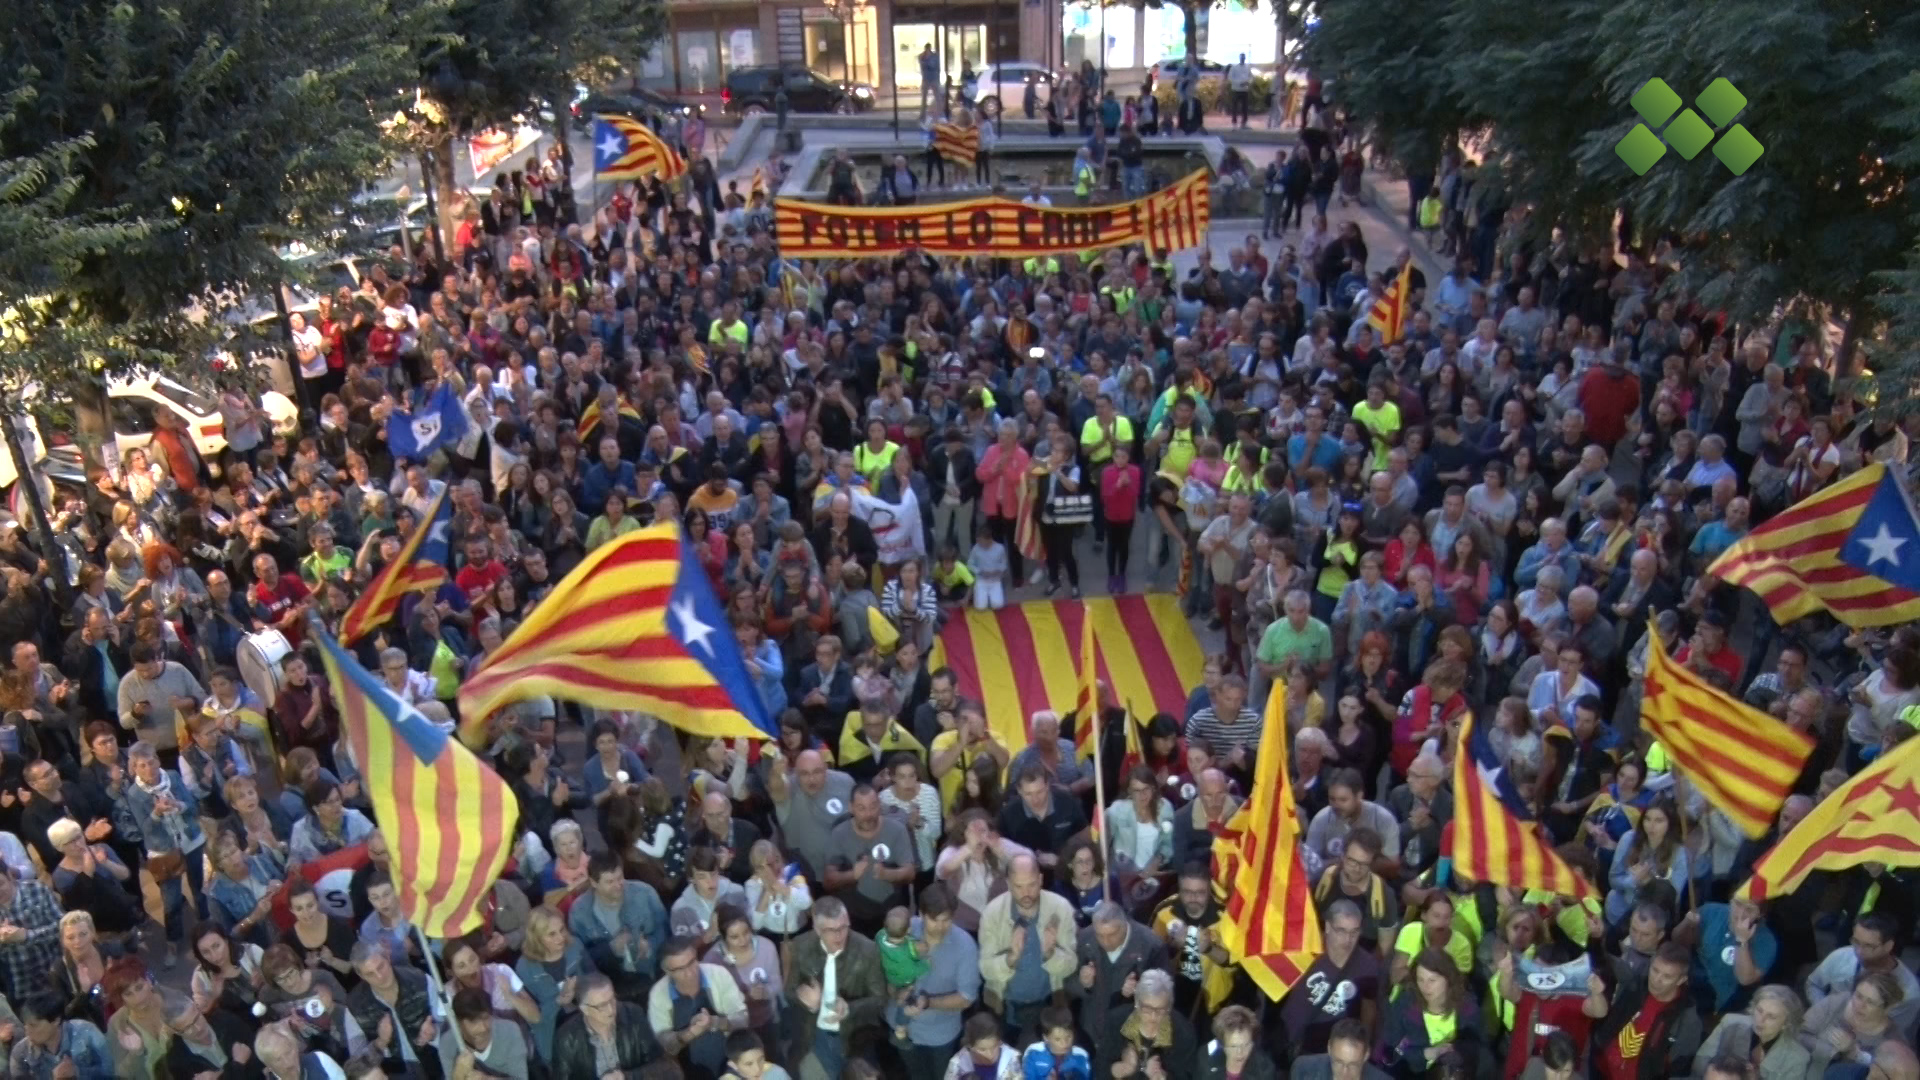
[1099, 773]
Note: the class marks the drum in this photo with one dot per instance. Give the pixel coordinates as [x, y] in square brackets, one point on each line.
[258, 657]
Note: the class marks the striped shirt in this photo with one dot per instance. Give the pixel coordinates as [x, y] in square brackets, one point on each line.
[1223, 736]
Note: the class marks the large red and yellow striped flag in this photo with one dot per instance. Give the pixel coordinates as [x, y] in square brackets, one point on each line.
[1388, 315]
[957, 144]
[1021, 659]
[1744, 761]
[447, 817]
[626, 149]
[1270, 928]
[1874, 817]
[1493, 837]
[1852, 549]
[634, 626]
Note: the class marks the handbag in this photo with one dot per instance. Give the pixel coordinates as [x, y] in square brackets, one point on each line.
[166, 866]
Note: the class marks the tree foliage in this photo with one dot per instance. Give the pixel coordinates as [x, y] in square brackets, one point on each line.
[43, 241]
[1541, 94]
[216, 131]
[486, 63]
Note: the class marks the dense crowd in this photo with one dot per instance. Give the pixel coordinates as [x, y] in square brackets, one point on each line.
[1480, 517]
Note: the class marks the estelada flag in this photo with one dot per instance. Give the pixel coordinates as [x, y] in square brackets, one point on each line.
[1852, 548]
[635, 626]
[1493, 839]
[626, 149]
[1270, 927]
[1087, 704]
[1874, 817]
[421, 564]
[1389, 314]
[1744, 761]
[447, 817]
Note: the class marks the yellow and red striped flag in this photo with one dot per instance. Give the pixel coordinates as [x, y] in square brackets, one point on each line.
[1020, 659]
[421, 564]
[1026, 522]
[1874, 817]
[1389, 313]
[448, 817]
[626, 149]
[1270, 927]
[957, 144]
[1493, 838]
[590, 418]
[1086, 707]
[1744, 761]
[1852, 549]
[634, 626]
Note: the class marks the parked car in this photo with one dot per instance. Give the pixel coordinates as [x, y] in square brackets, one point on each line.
[1167, 72]
[750, 90]
[638, 102]
[133, 402]
[1003, 87]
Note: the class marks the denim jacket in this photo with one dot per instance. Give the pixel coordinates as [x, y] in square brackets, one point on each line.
[641, 915]
[174, 832]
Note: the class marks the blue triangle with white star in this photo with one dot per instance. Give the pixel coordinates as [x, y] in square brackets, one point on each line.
[1885, 539]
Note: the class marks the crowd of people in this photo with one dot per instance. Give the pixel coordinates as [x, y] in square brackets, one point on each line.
[1481, 517]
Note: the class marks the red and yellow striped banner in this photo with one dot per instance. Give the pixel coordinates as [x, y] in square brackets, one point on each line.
[1166, 221]
[1023, 658]
[957, 144]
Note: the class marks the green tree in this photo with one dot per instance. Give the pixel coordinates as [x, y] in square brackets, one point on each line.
[43, 241]
[1542, 96]
[485, 63]
[215, 132]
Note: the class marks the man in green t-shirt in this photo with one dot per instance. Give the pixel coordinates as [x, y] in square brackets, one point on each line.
[1298, 638]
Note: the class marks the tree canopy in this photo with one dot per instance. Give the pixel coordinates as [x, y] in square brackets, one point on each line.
[221, 130]
[1541, 95]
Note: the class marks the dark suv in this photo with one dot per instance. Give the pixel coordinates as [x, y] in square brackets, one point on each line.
[750, 90]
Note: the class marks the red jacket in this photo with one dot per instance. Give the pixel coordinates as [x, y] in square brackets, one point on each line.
[1608, 396]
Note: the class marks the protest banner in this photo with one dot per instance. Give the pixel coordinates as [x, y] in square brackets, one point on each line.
[1169, 220]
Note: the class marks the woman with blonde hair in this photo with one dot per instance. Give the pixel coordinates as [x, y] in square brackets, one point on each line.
[1771, 1025]
[551, 963]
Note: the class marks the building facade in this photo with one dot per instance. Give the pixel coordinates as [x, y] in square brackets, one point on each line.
[879, 41]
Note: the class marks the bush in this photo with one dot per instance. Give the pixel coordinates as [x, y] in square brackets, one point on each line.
[1213, 95]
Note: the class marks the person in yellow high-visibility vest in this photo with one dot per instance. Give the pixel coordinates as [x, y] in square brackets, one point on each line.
[1085, 176]
[1105, 430]
[729, 327]
[873, 457]
[1177, 439]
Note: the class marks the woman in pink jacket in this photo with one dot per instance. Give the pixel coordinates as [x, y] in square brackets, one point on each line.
[1003, 469]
